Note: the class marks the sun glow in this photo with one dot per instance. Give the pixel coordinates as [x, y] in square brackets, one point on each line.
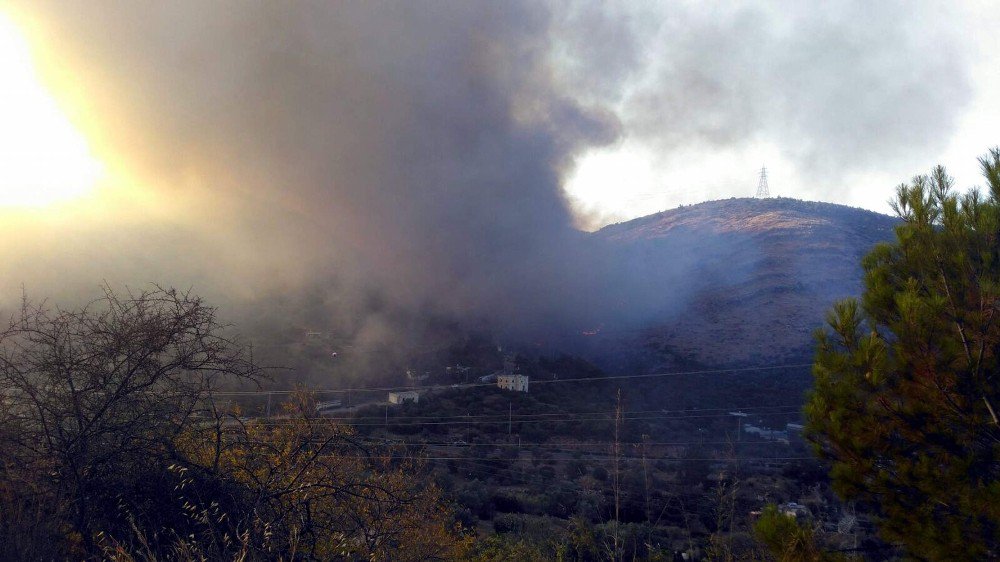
[43, 158]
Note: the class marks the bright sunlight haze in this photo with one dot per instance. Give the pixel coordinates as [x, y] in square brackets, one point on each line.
[43, 158]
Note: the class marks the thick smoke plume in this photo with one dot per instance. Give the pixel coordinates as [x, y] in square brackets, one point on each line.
[413, 151]
[390, 161]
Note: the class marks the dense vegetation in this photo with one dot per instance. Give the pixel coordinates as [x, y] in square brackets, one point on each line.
[541, 476]
[906, 380]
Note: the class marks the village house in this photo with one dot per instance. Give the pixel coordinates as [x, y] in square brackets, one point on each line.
[792, 509]
[769, 434]
[401, 397]
[517, 383]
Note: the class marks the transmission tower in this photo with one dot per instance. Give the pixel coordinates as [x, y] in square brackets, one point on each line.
[762, 190]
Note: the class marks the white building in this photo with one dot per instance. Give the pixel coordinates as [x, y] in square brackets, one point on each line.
[793, 509]
[769, 434]
[517, 383]
[401, 397]
[324, 407]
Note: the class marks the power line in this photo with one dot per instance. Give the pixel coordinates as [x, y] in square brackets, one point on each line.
[515, 417]
[678, 374]
[555, 446]
[472, 421]
[452, 448]
[533, 382]
[677, 459]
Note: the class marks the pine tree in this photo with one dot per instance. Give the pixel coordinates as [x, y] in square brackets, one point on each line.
[906, 380]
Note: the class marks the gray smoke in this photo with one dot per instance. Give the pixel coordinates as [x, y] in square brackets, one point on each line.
[396, 160]
[843, 87]
[412, 148]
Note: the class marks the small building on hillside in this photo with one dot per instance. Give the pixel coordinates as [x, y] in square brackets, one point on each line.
[765, 433]
[793, 509]
[517, 383]
[406, 396]
[327, 406]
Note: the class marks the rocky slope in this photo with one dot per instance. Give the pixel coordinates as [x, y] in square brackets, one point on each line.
[754, 277]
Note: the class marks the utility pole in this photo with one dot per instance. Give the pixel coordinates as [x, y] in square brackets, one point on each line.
[763, 192]
[645, 480]
[615, 555]
[739, 424]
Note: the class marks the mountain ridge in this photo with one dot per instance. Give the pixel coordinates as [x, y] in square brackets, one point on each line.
[748, 203]
[760, 274]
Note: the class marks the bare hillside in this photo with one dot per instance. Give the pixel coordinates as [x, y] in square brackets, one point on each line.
[760, 275]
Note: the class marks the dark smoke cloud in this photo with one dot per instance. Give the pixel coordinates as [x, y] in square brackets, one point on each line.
[412, 148]
[406, 159]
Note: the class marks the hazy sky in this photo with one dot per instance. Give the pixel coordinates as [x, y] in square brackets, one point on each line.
[841, 100]
[438, 156]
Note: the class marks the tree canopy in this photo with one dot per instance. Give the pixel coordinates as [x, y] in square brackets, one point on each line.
[906, 392]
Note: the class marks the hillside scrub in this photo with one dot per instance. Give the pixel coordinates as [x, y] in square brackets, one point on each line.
[113, 446]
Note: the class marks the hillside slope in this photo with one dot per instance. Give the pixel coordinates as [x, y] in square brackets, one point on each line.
[759, 275]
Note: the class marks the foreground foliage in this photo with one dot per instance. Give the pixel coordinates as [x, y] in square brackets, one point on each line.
[788, 540]
[906, 381]
[114, 446]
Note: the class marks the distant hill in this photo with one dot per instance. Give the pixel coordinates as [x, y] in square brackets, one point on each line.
[753, 277]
